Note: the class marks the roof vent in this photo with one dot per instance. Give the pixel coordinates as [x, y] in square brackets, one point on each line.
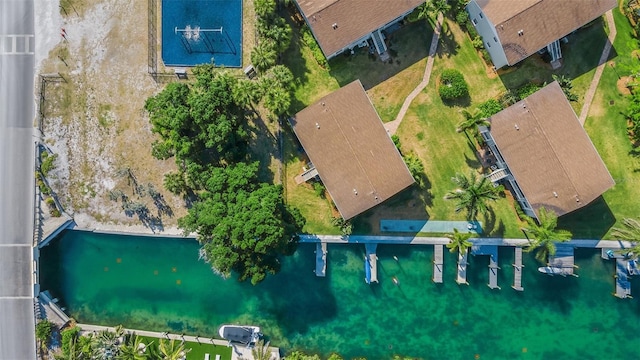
[334, 26]
[555, 194]
[355, 191]
[521, 32]
[317, 126]
[517, 127]
[577, 199]
[323, 103]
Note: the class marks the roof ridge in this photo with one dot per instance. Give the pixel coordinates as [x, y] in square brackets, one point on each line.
[546, 139]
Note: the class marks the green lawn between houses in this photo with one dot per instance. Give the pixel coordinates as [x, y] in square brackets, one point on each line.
[428, 129]
[198, 350]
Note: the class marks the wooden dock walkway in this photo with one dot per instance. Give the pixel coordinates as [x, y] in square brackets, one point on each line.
[373, 261]
[623, 286]
[562, 263]
[438, 262]
[462, 268]
[321, 259]
[517, 270]
[492, 252]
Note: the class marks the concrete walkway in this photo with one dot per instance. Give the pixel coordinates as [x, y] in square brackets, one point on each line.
[423, 240]
[392, 126]
[588, 97]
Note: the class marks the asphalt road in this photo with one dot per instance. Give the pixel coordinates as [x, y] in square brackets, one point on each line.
[17, 339]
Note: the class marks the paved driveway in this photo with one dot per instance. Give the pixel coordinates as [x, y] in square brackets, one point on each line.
[16, 179]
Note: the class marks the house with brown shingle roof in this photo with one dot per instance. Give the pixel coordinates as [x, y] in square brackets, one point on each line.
[339, 25]
[352, 152]
[514, 30]
[544, 155]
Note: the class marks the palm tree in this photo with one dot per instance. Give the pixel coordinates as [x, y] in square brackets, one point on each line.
[629, 232]
[459, 242]
[133, 349]
[473, 194]
[471, 122]
[430, 10]
[264, 55]
[172, 350]
[246, 93]
[543, 235]
[277, 100]
[261, 351]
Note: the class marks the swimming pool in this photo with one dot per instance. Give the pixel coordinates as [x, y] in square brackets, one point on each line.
[159, 284]
[199, 31]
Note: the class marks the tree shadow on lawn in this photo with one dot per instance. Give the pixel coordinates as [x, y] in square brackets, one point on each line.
[591, 222]
[295, 61]
[407, 46]
[263, 147]
[580, 55]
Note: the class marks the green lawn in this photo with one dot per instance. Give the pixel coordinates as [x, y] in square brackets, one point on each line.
[387, 85]
[428, 129]
[607, 129]
[580, 57]
[198, 350]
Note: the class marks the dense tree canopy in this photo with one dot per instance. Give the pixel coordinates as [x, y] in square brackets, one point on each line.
[243, 225]
[200, 123]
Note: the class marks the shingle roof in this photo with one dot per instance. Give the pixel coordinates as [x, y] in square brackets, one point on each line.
[353, 18]
[541, 21]
[355, 157]
[549, 153]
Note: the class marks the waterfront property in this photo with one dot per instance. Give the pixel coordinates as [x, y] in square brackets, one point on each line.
[512, 31]
[201, 31]
[340, 25]
[544, 155]
[348, 146]
[556, 317]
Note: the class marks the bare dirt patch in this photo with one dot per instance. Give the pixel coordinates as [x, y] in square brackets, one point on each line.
[623, 85]
[94, 119]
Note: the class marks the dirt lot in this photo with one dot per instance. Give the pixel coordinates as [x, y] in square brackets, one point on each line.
[94, 119]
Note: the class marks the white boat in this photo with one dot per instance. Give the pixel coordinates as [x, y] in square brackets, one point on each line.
[242, 334]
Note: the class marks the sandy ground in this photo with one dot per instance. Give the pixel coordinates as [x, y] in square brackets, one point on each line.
[94, 120]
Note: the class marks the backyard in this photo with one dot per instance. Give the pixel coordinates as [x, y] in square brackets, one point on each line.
[429, 127]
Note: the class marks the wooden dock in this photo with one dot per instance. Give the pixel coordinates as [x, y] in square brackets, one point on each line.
[438, 262]
[492, 252]
[321, 259]
[562, 263]
[517, 270]
[373, 261]
[623, 285]
[493, 271]
[462, 268]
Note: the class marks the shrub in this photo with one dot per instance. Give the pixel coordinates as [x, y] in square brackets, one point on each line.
[527, 90]
[319, 188]
[396, 141]
[453, 85]
[477, 43]
[310, 41]
[490, 107]
[416, 168]
[44, 329]
[55, 212]
[48, 163]
[462, 17]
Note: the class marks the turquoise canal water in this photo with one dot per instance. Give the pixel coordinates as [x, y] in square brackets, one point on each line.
[159, 284]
